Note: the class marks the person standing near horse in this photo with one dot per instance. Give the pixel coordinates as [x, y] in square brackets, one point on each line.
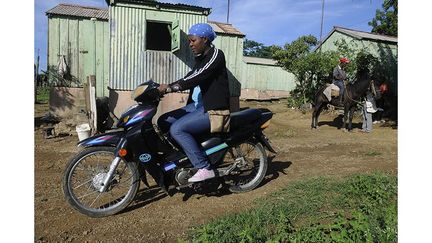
[339, 77]
[369, 107]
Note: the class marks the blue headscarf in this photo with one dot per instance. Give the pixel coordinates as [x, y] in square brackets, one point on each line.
[203, 30]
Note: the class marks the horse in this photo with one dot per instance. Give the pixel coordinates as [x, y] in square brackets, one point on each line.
[352, 96]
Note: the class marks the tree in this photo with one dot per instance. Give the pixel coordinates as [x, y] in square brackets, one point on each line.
[385, 22]
[311, 69]
[255, 49]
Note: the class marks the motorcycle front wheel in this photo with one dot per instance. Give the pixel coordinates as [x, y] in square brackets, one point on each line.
[84, 175]
[251, 169]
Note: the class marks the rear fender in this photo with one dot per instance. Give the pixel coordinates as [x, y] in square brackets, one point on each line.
[265, 141]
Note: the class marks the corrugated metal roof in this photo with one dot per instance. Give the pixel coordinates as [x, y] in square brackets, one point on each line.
[79, 11]
[225, 28]
[206, 11]
[102, 13]
[365, 35]
[258, 60]
[358, 35]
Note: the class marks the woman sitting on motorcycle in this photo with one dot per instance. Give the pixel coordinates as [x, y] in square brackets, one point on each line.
[209, 90]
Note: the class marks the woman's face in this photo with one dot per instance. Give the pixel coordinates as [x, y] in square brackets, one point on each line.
[197, 44]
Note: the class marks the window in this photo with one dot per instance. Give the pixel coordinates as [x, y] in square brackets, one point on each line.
[162, 36]
[158, 36]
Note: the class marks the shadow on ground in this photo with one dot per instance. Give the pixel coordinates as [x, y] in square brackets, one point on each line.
[211, 188]
[337, 122]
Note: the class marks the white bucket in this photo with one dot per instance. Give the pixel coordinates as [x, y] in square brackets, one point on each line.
[83, 131]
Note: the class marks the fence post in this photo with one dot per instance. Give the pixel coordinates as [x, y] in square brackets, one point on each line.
[92, 102]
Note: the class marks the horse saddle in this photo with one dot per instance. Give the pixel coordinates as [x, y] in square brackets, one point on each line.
[330, 91]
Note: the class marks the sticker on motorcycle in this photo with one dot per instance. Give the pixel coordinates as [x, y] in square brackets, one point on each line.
[100, 140]
[145, 158]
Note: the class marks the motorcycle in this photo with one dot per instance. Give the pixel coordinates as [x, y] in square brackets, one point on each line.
[104, 177]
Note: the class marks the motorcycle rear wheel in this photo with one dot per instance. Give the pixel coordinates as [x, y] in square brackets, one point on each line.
[84, 175]
[248, 176]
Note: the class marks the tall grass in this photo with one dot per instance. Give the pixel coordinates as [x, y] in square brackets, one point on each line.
[359, 208]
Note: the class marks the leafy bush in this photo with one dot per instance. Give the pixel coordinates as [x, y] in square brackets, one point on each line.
[360, 208]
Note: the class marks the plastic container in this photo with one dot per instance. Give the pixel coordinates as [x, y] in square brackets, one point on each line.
[83, 131]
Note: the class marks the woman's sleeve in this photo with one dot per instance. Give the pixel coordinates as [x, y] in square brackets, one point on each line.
[202, 75]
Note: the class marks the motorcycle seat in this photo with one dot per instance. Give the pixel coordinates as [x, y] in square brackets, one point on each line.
[244, 117]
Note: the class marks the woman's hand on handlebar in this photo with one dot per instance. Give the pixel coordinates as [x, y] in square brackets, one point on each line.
[163, 88]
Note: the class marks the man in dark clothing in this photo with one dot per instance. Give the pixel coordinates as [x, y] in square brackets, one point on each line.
[339, 77]
[209, 90]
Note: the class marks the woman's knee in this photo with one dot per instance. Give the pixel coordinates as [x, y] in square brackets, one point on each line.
[176, 129]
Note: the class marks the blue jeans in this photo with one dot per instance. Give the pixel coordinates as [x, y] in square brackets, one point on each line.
[341, 86]
[367, 120]
[183, 124]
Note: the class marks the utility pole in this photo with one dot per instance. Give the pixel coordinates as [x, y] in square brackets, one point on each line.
[322, 20]
[228, 12]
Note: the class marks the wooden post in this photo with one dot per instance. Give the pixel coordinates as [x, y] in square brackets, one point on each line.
[93, 112]
[36, 75]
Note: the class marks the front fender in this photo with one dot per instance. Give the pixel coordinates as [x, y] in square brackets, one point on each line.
[105, 139]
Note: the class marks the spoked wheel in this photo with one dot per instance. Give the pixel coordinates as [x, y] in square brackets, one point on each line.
[83, 178]
[251, 168]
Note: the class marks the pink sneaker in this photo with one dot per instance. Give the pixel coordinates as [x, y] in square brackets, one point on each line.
[202, 175]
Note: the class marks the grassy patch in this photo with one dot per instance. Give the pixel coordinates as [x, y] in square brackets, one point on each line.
[42, 94]
[359, 208]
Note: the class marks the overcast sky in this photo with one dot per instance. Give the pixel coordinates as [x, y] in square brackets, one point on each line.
[269, 22]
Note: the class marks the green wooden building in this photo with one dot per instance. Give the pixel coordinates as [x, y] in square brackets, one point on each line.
[79, 34]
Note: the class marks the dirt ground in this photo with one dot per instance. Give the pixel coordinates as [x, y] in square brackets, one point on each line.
[155, 217]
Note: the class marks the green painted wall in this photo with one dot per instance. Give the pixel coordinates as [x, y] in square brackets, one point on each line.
[84, 44]
[329, 45]
[374, 47]
[266, 77]
[232, 46]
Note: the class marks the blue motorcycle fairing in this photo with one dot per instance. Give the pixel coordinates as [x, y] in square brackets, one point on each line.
[106, 139]
[136, 114]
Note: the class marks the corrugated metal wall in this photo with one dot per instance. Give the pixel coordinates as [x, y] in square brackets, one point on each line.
[84, 44]
[232, 46]
[374, 47]
[131, 64]
[266, 77]
[250, 75]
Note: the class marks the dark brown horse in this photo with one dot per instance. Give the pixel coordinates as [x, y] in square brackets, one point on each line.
[352, 96]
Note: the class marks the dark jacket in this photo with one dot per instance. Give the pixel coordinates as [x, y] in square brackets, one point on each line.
[339, 74]
[210, 73]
